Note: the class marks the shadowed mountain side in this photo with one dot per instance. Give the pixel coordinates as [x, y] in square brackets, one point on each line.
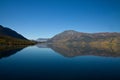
[69, 50]
[6, 51]
[4, 31]
[11, 37]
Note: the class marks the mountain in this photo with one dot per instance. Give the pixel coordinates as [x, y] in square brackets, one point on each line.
[42, 39]
[66, 35]
[11, 37]
[4, 31]
[94, 39]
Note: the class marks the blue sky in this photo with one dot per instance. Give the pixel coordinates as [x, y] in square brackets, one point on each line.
[45, 18]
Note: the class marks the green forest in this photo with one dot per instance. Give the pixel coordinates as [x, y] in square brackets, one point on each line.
[6, 40]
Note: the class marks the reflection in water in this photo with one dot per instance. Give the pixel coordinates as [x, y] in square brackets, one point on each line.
[6, 51]
[70, 50]
[44, 64]
[42, 45]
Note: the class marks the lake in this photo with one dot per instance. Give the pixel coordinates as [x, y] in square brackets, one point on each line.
[59, 62]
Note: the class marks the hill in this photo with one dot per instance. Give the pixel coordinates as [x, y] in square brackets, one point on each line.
[4, 31]
[11, 37]
[93, 39]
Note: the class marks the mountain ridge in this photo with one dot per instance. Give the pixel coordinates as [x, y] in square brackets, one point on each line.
[75, 36]
[4, 31]
[11, 37]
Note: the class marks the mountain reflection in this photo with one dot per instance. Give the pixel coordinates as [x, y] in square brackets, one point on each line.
[70, 50]
[42, 45]
[6, 51]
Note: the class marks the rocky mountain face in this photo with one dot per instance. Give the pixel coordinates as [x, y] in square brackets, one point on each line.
[71, 36]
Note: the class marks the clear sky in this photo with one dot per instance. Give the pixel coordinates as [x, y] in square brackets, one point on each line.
[45, 18]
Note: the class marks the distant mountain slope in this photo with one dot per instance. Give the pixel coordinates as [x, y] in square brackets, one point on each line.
[71, 36]
[42, 39]
[11, 33]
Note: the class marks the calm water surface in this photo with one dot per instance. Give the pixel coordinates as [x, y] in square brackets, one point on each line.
[55, 63]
